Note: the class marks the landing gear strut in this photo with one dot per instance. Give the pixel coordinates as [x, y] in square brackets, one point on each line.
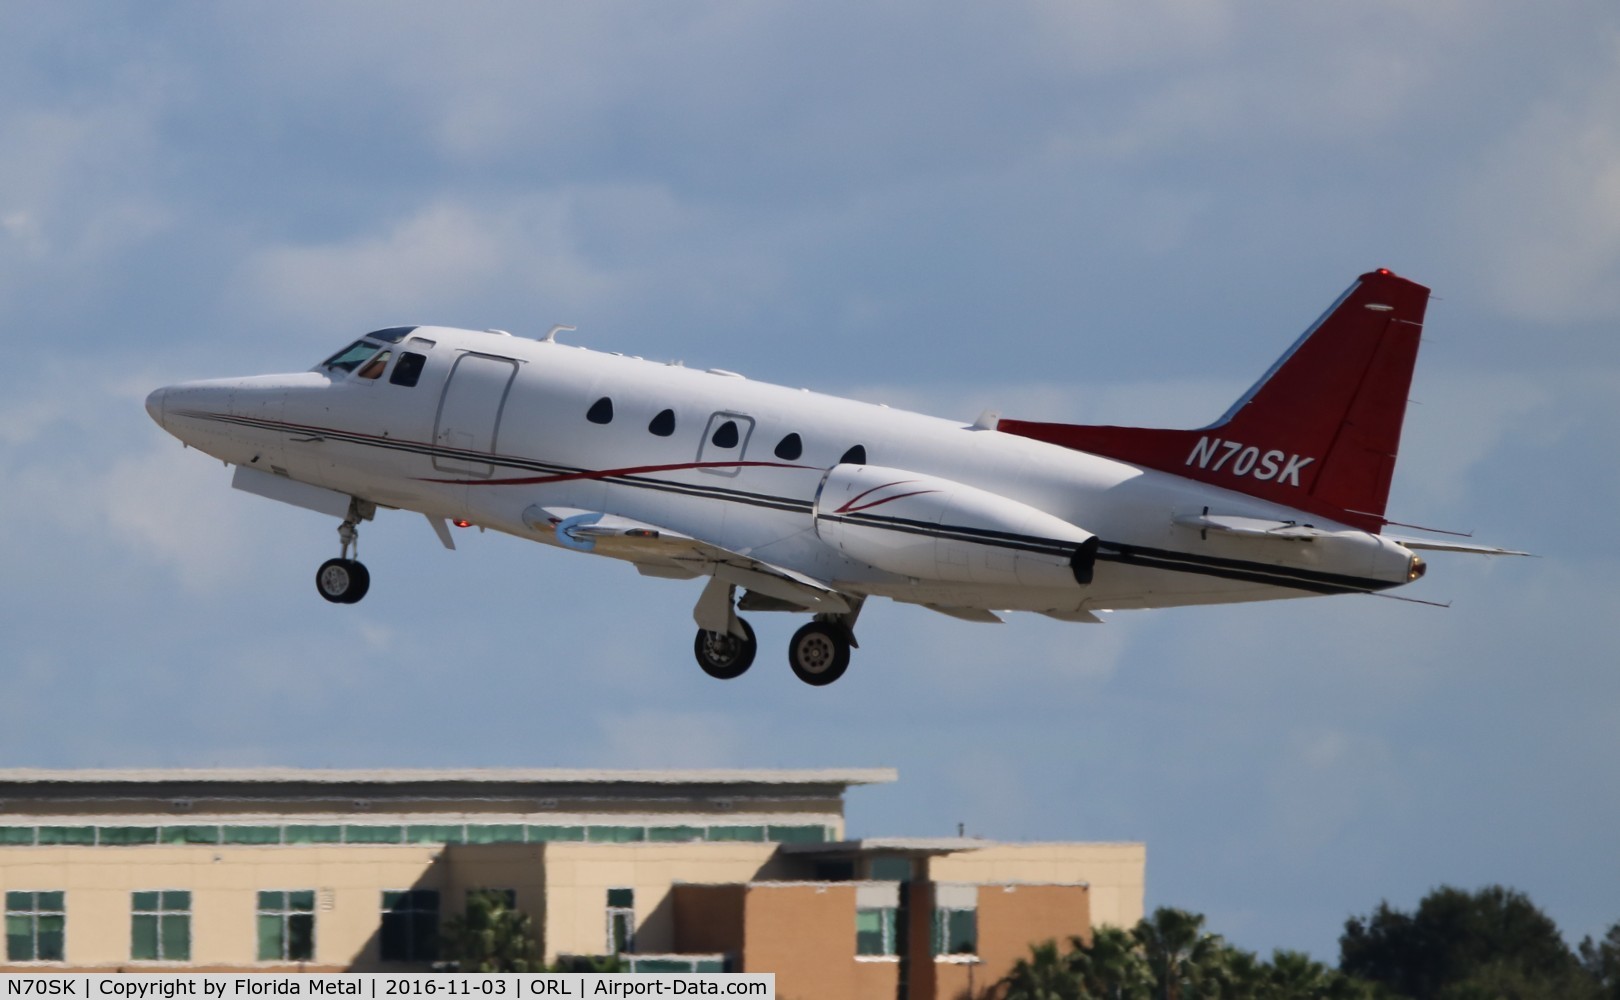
[344, 580]
[725, 644]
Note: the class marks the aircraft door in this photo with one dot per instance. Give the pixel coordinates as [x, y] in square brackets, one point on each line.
[469, 420]
[725, 440]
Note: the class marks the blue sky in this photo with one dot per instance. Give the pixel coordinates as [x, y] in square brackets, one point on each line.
[1089, 211]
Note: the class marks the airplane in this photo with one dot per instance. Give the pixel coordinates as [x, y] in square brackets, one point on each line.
[783, 499]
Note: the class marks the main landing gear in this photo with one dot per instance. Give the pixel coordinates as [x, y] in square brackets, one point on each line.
[725, 645]
[344, 580]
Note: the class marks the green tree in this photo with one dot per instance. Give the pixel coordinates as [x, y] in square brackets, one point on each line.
[1184, 961]
[1111, 966]
[1461, 945]
[1601, 960]
[492, 936]
[1045, 975]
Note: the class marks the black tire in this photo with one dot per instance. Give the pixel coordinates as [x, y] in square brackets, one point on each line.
[724, 656]
[342, 581]
[819, 653]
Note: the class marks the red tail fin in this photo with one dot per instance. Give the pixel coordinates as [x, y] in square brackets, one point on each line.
[1318, 432]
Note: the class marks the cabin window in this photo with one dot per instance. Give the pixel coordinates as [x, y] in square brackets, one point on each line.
[726, 436]
[855, 456]
[374, 367]
[790, 448]
[601, 411]
[408, 369]
[663, 425]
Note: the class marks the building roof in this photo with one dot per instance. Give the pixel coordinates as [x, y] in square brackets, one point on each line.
[472, 776]
[893, 845]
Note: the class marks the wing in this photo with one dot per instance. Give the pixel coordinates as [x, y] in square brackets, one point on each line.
[658, 551]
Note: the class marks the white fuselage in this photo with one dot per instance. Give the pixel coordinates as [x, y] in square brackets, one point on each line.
[496, 425]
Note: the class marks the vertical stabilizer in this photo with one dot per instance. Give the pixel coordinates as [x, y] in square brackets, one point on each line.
[1321, 429]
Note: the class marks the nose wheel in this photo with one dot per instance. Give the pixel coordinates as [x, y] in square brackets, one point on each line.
[344, 580]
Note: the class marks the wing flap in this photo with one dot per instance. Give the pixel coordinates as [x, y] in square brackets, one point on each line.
[658, 551]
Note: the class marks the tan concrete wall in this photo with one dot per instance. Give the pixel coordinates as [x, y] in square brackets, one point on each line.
[1011, 918]
[1116, 873]
[577, 877]
[805, 933]
[224, 882]
[874, 979]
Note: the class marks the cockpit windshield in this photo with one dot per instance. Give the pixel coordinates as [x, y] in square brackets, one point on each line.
[351, 357]
[392, 335]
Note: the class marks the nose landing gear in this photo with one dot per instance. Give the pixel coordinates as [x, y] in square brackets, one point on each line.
[344, 580]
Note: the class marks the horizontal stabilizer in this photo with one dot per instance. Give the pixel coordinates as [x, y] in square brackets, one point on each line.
[1251, 527]
[1434, 546]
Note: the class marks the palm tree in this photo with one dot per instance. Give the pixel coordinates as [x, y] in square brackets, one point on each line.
[1184, 962]
[1111, 966]
[1045, 975]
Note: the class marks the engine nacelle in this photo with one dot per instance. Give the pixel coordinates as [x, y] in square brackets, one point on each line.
[931, 528]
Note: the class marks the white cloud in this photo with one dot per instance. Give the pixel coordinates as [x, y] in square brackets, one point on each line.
[1543, 203]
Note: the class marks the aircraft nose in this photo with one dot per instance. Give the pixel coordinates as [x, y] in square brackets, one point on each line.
[154, 404]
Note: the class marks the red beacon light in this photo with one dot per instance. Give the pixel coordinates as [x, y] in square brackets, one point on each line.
[458, 522]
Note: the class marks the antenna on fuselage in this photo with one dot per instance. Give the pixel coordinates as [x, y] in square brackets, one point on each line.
[551, 335]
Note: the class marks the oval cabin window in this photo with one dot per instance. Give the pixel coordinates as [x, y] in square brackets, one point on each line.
[789, 448]
[601, 411]
[725, 436]
[663, 425]
[855, 456]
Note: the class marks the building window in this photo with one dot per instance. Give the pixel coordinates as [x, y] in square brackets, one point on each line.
[410, 925]
[601, 411]
[160, 926]
[621, 920]
[956, 919]
[35, 925]
[663, 425]
[287, 926]
[956, 932]
[874, 931]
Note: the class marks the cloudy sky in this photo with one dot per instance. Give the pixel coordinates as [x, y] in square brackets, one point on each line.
[1075, 209]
